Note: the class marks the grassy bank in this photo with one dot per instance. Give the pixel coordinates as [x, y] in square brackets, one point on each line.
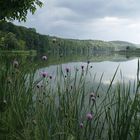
[24, 52]
[65, 107]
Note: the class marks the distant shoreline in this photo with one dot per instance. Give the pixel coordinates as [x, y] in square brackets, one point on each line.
[27, 52]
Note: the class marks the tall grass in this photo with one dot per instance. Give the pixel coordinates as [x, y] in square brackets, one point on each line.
[64, 107]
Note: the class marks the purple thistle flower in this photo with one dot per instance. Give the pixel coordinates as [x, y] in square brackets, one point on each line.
[38, 86]
[89, 116]
[44, 74]
[81, 125]
[67, 70]
[44, 58]
[92, 94]
[82, 67]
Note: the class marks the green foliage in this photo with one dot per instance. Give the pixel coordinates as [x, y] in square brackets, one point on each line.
[55, 45]
[9, 41]
[31, 39]
[52, 109]
[17, 9]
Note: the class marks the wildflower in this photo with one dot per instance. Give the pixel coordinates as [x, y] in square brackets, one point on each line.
[89, 116]
[81, 125]
[93, 98]
[67, 70]
[82, 67]
[44, 74]
[44, 57]
[38, 86]
[15, 64]
[92, 94]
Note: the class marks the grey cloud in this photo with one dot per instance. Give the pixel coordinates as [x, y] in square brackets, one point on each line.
[88, 19]
[101, 8]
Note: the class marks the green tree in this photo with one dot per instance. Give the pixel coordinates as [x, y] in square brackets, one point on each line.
[10, 41]
[21, 45]
[17, 9]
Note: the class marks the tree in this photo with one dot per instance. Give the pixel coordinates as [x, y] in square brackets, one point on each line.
[10, 41]
[17, 9]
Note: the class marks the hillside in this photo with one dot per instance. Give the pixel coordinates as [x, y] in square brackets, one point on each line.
[14, 37]
[123, 44]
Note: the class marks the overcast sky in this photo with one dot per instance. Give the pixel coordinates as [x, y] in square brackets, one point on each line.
[88, 19]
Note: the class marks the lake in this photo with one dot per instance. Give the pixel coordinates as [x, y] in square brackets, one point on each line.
[65, 102]
[105, 64]
[100, 64]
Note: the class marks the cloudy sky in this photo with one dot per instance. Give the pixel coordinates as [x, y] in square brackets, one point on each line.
[88, 19]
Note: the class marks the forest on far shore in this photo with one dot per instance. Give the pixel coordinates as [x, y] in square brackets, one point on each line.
[14, 37]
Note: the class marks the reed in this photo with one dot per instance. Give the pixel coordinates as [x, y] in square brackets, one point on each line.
[65, 107]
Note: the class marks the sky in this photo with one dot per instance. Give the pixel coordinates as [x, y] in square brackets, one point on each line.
[88, 19]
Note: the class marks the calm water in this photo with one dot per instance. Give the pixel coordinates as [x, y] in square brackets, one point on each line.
[105, 64]
[99, 65]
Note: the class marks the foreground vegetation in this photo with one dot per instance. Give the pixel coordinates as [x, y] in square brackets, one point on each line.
[35, 105]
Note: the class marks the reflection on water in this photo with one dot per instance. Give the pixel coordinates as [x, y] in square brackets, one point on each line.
[100, 63]
[127, 70]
